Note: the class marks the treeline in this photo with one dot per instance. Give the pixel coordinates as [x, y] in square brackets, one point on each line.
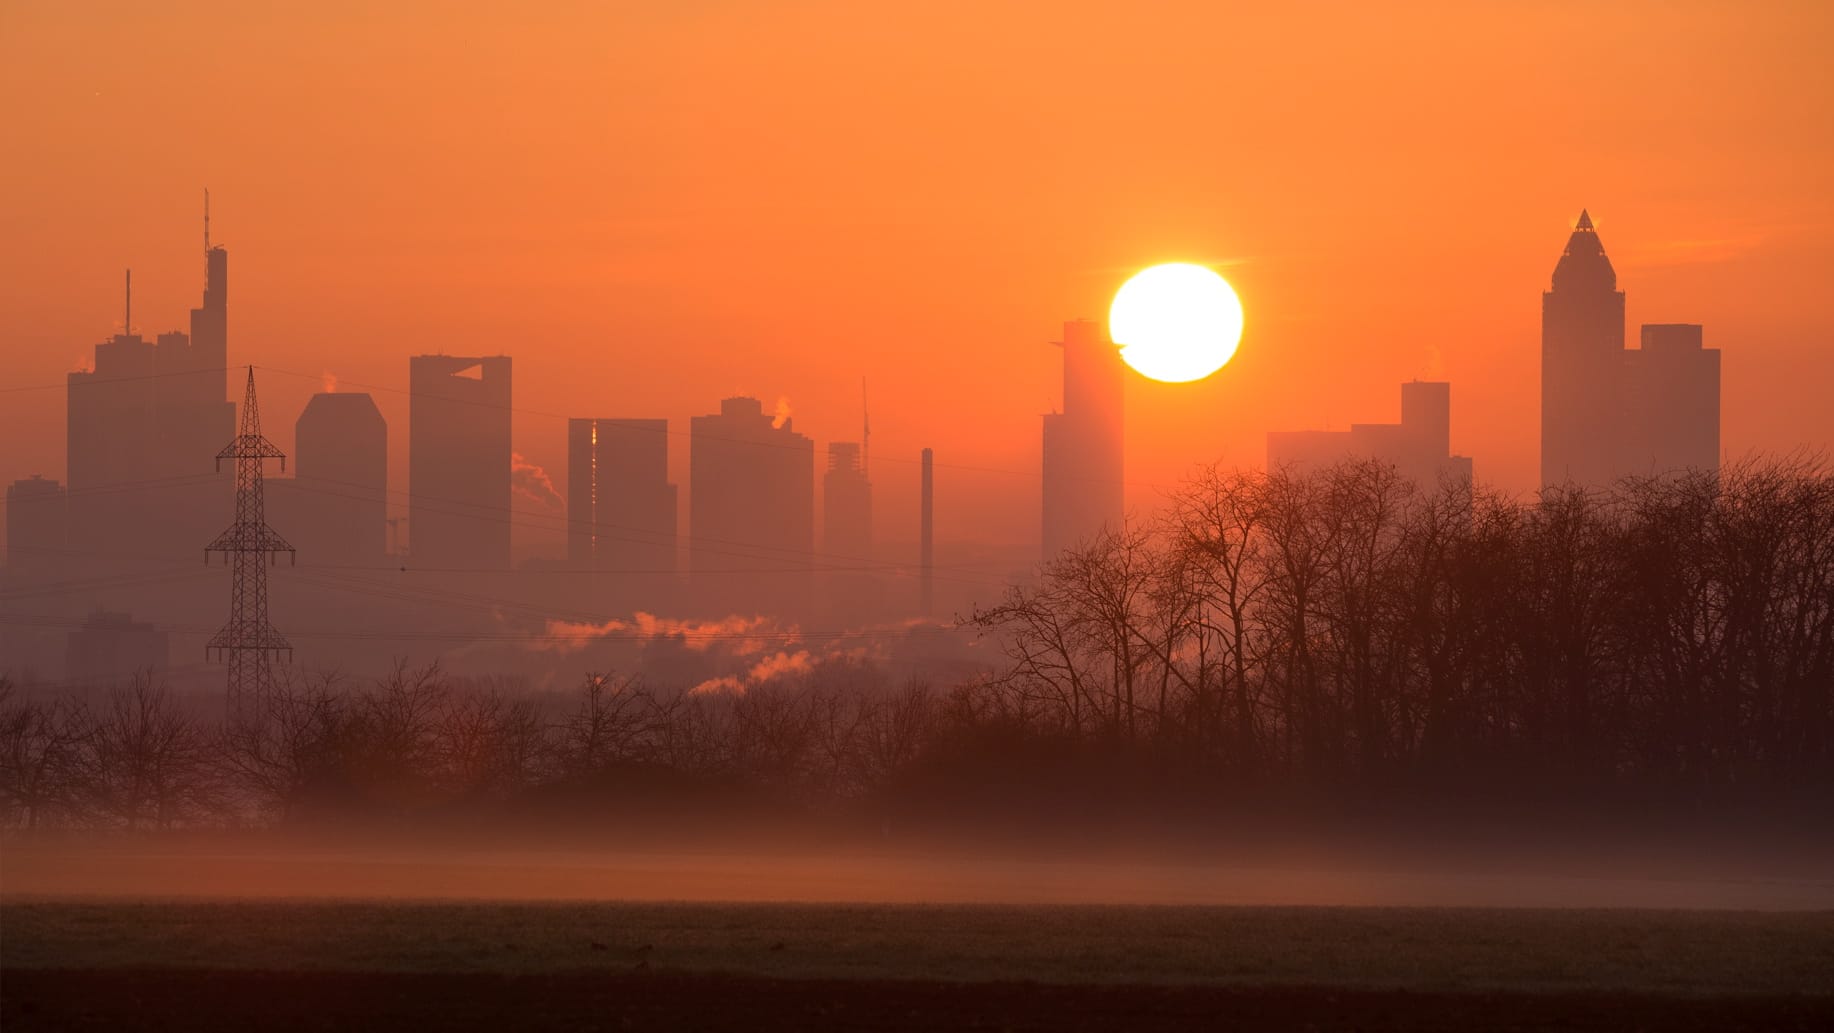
[419, 743]
[1349, 630]
[1343, 636]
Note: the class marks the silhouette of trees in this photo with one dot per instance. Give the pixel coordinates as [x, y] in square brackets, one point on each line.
[41, 759]
[146, 761]
[1345, 632]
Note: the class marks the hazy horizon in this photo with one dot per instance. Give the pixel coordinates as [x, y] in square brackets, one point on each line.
[907, 199]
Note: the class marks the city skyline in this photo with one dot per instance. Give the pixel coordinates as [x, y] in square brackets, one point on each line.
[165, 386]
[788, 279]
[962, 514]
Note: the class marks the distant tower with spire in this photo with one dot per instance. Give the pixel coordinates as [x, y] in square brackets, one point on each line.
[1608, 411]
[1582, 358]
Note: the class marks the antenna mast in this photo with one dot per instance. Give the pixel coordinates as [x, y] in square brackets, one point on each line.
[127, 320]
[865, 430]
[206, 220]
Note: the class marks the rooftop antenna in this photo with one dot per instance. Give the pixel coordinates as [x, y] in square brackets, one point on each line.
[865, 430]
[127, 319]
[206, 219]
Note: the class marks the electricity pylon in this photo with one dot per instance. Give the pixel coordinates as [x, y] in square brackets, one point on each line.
[248, 641]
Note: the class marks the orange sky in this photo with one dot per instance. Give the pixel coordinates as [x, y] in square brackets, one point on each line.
[653, 206]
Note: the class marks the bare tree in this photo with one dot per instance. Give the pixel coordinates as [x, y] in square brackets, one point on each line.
[147, 763]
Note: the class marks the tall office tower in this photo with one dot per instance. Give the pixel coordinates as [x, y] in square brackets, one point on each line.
[751, 511]
[336, 505]
[926, 534]
[850, 590]
[1608, 411]
[1673, 404]
[459, 461]
[621, 508]
[34, 527]
[1420, 446]
[846, 504]
[210, 321]
[193, 412]
[1083, 459]
[110, 444]
[1582, 365]
[143, 428]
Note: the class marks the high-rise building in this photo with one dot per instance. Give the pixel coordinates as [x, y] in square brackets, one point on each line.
[850, 589]
[1420, 446]
[192, 410]
[1673, 401]
[459, 461]
[751, 510]
[334, 509]
[1606, 411]
[846, 504]
[1083, 444]
[144, 424]
[621, 508]
[1582, 363]
[926, 533]
[34, 527]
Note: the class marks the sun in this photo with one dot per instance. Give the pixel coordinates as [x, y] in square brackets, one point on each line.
[1176, 322]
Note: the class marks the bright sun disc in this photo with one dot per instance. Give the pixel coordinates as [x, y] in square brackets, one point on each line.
[1176, 322]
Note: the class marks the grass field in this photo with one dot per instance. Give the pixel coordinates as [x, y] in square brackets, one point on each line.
[185, 964]
[1417, 949]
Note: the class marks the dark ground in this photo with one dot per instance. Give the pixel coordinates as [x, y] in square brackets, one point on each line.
[208, 1001]
[210, 965]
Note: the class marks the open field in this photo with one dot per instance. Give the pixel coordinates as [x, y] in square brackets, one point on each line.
[233, 936]
[1418, 949]
[202, 964]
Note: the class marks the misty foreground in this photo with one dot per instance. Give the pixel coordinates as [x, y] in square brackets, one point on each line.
[477, 965]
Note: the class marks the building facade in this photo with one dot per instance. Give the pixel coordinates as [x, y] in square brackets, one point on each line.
[459, 462]
[1083, 461]
[1608, 411]
[1420, 446]
[621, 508]
[751, 511]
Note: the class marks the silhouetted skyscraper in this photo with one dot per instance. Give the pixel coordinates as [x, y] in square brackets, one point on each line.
[926, 534]
[337, 504]
[1420, 446]
[850, 589]
[1083, 445]
[1607, 411]
[1674, 401]
[1582, 360]
[751, 506]
[459, 461]
[35, 520]
[846, 504]
[621, 508]
[143, 428]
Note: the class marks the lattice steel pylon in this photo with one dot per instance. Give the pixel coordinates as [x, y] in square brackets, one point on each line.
[248, 642]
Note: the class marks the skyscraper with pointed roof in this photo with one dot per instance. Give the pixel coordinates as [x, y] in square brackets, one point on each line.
[1582, 357]
[1607, 411]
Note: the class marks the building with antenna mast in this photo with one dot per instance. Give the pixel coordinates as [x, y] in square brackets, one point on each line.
[142, 423]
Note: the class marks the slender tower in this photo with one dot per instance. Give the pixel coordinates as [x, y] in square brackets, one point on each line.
[248, 641]
[1582, 366]
[926, 535]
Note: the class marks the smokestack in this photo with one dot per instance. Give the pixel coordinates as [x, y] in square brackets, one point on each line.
[927, 534]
